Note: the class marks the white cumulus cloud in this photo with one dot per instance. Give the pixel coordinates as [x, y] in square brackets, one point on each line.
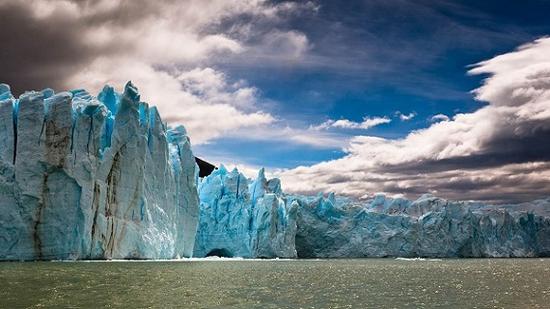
[366, 124]
[406, 117]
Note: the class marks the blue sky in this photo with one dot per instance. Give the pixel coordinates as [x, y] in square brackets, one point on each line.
[376, 58]
[400, 97]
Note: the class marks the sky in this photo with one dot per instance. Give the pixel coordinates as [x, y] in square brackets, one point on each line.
[354, 97]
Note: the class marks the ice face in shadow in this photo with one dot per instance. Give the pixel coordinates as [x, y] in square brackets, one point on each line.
[87, 178]
[239, 218]
[427, 227]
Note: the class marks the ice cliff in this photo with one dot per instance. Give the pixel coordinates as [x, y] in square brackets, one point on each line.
[242, 218]
[104, 178]
[93, 178]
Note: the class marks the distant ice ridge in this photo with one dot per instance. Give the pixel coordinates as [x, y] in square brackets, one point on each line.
[242, 218]
[93, 178]
[428, 227]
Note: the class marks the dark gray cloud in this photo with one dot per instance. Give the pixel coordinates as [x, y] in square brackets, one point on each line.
[38, 53]
[45, 52]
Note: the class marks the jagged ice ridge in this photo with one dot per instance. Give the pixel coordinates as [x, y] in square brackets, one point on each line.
[331, 227]
[244, 218]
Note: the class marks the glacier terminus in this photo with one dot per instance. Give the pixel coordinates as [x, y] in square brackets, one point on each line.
[102, 177]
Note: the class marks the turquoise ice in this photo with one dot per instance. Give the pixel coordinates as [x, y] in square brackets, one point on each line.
[244, 218]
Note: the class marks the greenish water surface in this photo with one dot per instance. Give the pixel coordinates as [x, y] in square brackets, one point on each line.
[353, 283]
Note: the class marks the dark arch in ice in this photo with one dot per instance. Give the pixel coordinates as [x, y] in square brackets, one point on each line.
[220, 252]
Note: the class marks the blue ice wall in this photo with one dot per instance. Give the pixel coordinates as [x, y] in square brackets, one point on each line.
[93, 178]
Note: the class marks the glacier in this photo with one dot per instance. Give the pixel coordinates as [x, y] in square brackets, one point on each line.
[84, 177]
[93, 178]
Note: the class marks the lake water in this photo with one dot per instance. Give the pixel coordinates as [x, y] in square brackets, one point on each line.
[365, 283]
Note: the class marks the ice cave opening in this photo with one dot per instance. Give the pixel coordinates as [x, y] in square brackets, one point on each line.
[220, 253]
